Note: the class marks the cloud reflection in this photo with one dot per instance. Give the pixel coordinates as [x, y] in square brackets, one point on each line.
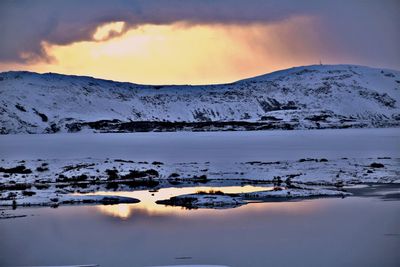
[148, 208]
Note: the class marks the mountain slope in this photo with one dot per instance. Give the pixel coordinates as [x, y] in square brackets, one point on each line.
[320, 96]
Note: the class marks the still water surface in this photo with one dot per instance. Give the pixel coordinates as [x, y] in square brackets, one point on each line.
[206, 146]
[355, 231]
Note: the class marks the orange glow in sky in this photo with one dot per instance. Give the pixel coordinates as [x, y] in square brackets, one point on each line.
[184, 54]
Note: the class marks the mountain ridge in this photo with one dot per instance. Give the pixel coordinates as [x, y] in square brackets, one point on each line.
[306, 97]
[276, 72]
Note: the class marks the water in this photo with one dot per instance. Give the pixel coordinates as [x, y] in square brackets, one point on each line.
[355, 231]
[206, 146]
[148, 198]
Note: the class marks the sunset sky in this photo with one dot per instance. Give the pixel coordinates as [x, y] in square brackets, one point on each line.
[195, 42]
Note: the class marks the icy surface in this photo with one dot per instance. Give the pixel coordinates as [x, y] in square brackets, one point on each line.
[206, 147]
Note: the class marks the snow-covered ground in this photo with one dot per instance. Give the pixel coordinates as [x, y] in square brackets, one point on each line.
[220, 200]
[33, 174]
[310, 97]
[304, 170]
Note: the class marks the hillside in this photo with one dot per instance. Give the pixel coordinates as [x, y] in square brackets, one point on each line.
[320, 96]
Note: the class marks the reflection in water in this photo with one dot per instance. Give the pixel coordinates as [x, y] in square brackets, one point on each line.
[320, 232]
[122, 211]
[148, 199]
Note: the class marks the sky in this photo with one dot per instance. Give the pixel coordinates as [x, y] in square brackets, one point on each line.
[195, 42]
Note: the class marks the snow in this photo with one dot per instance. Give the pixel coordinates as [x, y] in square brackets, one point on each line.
[351, 96]
[294, 193]
[306, 170]
[205, 201]
[55, 198]
[317, 173]
[313, 157]
[221, 200]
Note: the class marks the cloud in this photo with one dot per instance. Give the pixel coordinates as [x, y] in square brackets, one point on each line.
[363, 27]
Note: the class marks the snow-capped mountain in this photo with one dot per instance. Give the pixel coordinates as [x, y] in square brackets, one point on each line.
[319, 96]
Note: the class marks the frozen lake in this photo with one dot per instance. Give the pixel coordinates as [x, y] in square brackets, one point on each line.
[206, 146]
[355, 231]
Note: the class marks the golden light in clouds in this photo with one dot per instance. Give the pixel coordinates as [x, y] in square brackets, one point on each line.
[104, 32]
[184, 54]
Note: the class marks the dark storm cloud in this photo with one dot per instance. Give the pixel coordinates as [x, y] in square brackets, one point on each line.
[362, 27]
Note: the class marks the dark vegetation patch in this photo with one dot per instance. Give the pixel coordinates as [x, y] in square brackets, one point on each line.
[42, 169]
[54, 128]
[316, 118]
[134, 178]
[78, 178]
[77, 167]
[165, 126]
[20, 107]
[200, 179]
[133, 183]
[211, 192]
[388, 74]
[383, 98]
[28, 193]
[124, 161]
[272, 104]
[18, 169]
[15, 186]
[316, 160]
[174, 175]
[277, 181]
[112, 174]
[270, 118]
[112, 185]
[41, 186]
[201, 115]
[174, 182]
[41, 115]
[376, 165]
[114, 200]
[262, 163]
[133, 174]
[186, 202]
